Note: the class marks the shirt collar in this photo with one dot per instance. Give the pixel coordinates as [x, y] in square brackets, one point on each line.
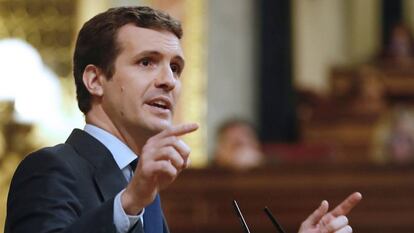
[122, 154]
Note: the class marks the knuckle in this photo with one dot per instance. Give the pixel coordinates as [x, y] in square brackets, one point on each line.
[185, 153]
[185, 148]
[170, 140]
[180, 163]
[166, 151]
[188, 151]
[164, 165]
[170, 150]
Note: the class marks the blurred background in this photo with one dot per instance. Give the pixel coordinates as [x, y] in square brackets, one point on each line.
[324, 89]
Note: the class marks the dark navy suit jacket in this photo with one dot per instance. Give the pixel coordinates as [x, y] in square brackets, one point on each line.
[70, 188]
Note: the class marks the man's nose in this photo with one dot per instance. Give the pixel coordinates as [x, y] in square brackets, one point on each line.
[166, 79]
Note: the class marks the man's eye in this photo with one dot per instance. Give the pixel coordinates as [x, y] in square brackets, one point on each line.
[175, 68]
[145, 62]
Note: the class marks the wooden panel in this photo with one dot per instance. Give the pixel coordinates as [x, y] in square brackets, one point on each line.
[200, 200]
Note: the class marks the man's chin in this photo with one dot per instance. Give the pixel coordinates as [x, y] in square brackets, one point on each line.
[159, 126]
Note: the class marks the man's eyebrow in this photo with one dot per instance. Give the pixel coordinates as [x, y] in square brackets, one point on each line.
[179, 58]
[156, 53]
[148, 53]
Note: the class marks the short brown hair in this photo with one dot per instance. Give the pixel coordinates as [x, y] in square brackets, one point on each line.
[97, 43]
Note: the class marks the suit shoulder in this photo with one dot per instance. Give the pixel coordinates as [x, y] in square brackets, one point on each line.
[56, 157]
[58, 153]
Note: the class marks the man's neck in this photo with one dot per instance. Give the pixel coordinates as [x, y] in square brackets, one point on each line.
[135, 141]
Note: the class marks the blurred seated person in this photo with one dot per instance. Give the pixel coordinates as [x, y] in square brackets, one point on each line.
[399, 48]
[237, 146]
[369, 93]
[395, 137]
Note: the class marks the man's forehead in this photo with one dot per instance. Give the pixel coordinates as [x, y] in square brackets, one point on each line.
[137, 38]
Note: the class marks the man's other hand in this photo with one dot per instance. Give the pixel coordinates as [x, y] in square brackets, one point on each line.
[335, 221]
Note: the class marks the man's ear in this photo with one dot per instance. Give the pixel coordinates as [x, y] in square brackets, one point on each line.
[92, 76]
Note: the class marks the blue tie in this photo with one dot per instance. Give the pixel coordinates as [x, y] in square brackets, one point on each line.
[153, 220]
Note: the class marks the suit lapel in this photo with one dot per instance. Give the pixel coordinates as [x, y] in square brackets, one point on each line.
[109, 178]
[107, 175]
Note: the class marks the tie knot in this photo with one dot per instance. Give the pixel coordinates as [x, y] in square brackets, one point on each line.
[133, 164]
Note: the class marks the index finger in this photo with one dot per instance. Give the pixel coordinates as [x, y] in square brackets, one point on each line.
[346, 206]
[180, 130]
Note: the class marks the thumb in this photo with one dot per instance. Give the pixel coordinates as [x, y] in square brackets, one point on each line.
[317, 215]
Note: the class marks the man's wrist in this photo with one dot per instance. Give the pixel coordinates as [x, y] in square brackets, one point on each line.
[129, 204]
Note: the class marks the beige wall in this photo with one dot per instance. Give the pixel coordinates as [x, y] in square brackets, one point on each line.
[364, 27]
[232, 80]
[331, 32]
[408, 8]
[319, 41]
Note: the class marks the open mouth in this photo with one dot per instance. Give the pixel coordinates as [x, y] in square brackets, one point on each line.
[161, 103]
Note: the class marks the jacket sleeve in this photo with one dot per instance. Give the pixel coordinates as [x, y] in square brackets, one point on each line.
[43, 198]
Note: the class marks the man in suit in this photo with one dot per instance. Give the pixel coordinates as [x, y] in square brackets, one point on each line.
[127, 67]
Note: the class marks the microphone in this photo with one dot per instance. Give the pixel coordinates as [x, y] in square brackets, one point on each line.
[241, 218]
[273, 219]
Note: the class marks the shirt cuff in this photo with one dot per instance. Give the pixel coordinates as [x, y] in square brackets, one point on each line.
[123, 222]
